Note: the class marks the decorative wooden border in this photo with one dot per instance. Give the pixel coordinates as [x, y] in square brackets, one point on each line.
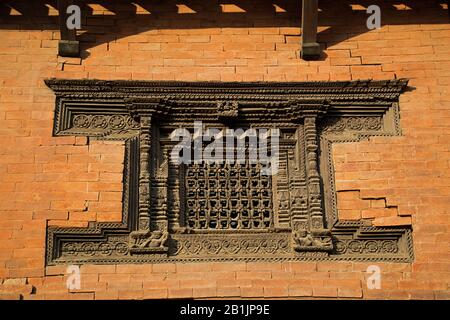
[316, 113]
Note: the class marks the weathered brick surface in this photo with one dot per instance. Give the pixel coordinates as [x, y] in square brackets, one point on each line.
[67, 181]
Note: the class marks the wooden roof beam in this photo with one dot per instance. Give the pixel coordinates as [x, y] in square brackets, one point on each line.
[310, 48]
[68, 45]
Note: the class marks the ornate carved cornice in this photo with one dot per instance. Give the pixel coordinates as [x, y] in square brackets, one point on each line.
[257, 87]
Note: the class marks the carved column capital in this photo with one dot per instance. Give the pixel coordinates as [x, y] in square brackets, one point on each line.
[302, 109]
[146, 107]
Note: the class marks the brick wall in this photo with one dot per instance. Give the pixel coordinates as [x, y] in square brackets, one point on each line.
[68, 181]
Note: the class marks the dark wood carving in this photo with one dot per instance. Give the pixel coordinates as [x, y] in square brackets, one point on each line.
[68, 46]
[310, 12]
[166, 214]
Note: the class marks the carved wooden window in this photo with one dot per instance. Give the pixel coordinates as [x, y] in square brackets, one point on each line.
[228, 196]
[201, 212]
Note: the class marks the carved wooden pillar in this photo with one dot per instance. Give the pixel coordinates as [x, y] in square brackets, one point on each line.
[144, 174]
[68, 46]
[282, 189]
[161, 181]
[312, 170]
[152, 232]
[310, 48]
[297, 184]
[308, 227]
[175, 205]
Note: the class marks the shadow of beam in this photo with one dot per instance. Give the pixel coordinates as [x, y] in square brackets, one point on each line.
[106, 21]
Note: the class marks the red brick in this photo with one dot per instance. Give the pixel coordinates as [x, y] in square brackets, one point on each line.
[10, 296]
[300, 292]
[274, 292]
[107, 295]
[180, 293]
[98, 269]
[197, 267]
[252, 292]
[325, 292]
[253, 275]
[133, 269]
[334, 266]
[349, 293]
[205, 292]
[258, 266]
[228, 292]
[155, 294]
[131, 294]
[229, 266]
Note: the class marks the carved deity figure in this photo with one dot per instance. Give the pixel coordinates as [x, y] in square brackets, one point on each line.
[155, 239]
[303, 239]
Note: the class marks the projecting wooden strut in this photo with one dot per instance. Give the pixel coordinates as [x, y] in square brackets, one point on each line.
[68, 45]
[310, 48]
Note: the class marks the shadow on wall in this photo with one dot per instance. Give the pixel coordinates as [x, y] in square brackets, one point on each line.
[107, 21]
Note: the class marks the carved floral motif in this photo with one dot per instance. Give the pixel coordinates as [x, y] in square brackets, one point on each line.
[338, 125]
[111, 122]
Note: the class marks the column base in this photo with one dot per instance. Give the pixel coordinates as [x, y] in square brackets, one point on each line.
[310, 51]
[67, 48]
